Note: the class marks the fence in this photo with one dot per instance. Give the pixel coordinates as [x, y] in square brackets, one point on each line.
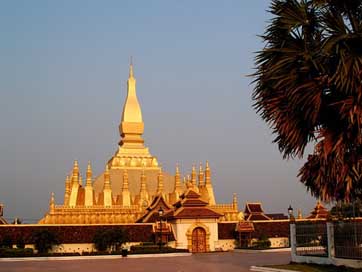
[348, 240]
[319, 242]
[311, 240]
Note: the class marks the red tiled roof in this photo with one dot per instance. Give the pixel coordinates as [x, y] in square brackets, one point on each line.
[255, 207]
[244, 227]
[257, 216]
[151, 214]
[194, 202]
[195, 212]
[319, 212]
[191, 194]
[277, 216]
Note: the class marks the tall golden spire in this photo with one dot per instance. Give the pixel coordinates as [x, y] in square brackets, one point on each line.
[208, 185]
[89, 175]
[160, 186]
[125, 180]
[132, 151]
[132, 126]
[201, 175]
[67, 191]
[193, 175]
[75, 175]
[235, 201]
[88, 190]
[126, 196]
[207, 173]
[178, 186]
[143, 187]
[80, 180]
[107, 189]
[52, 203]
[107, 181]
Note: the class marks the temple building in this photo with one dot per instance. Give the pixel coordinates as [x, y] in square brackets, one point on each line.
[132, 180]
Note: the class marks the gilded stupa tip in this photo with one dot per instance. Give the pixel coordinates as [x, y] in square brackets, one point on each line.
[131, 68]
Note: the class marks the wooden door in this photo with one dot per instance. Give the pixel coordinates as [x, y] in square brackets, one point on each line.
[198, 240]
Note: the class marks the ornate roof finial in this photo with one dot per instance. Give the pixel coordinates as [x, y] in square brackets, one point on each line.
[235, 201]
[52, 202]
[89, 175]
[193, 175]
[75, 174]
[201, 175]
[125, 180]
[160, 182]
[107, 181]
[131, 67]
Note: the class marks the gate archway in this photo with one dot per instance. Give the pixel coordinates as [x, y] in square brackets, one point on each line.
[198, 240]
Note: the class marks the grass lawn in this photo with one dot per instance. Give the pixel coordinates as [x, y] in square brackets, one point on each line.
[316, 268]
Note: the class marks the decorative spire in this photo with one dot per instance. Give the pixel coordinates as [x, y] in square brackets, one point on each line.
[160, 182]
[125, 180]
[235, 201]
[67, 190]
[132, 126]
[107, 181]
[193, 175]
[75, 175]
[89, 175]
[207, 173]
[143, 182]
[131, 68]
[300, 215]
[80, 180]
[126, 196]
[201, 175]
[177, 179]
[52, 203]
[88, 192]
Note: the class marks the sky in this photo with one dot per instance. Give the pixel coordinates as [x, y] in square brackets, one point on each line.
[63, 72]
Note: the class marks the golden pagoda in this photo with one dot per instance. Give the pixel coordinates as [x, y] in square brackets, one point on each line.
[131, 180]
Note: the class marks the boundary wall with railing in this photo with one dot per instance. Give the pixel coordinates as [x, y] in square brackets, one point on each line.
[336, 243]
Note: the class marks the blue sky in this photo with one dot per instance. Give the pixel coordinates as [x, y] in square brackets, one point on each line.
[63, 71]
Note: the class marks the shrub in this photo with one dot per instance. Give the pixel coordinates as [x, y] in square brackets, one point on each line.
[262, 243]
[6, 242]
[16, 252]
[20, 243]
[151, 249]
[109, 239]
[44, 240]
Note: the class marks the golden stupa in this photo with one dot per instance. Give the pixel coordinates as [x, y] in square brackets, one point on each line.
[130, 181]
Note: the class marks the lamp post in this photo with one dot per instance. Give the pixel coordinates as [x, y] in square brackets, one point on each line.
[290, 213]
[291, 219]
[160, 213]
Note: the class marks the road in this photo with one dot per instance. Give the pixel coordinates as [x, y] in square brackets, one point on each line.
[210, 262]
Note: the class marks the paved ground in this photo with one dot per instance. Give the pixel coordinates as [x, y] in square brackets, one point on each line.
[211, 262]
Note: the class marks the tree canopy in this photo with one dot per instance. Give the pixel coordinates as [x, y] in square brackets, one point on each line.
[308, 88]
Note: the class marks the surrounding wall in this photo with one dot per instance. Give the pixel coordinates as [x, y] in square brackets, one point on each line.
[76, 234]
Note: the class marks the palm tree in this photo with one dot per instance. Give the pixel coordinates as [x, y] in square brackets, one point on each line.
[309, 90]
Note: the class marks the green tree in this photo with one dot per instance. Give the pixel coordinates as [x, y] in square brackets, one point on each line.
[347, 210]
[44, 240]
[309, 90]
[110, 239]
